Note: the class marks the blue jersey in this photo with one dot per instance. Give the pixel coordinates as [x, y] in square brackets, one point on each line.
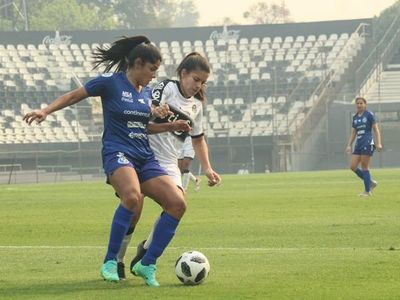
[126, 114]
[363, 126]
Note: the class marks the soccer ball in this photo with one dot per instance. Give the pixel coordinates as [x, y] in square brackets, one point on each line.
[192, 268]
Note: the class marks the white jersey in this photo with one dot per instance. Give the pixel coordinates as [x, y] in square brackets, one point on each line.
[165, 145]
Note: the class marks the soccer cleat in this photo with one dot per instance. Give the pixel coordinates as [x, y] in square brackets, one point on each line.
[148, 273]
[121, 270]
[374, 184]
[197, 184]
[365, 194]
[109, 271]
[141, 251]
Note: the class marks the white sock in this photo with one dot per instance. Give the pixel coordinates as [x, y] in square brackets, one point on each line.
[185, 180]
[124, 247]
[150, 237]
[192, 177]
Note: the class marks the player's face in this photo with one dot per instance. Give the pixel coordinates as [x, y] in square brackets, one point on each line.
[361, 106]
[147, 71]
[191, 82]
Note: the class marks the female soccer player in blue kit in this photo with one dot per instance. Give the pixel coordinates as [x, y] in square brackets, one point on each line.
[128, 160]
[364, 123]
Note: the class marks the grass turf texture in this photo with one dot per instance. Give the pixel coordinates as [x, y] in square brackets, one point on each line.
[276, 236]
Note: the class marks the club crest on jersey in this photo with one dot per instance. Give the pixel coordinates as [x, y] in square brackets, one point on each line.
[126, 97]
[194, 108]
[141, 101]
[364, 120]
[122, 159]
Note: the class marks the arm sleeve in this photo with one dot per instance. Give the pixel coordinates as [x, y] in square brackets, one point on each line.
[352, 123]
[372, 118]
[161, 92]
[98, 86]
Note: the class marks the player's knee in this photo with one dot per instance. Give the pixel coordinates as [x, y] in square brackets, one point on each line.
[178, 208]
[131, 200]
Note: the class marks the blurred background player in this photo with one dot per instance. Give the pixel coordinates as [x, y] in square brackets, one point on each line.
[363, 124]
[185, 98]
[185, 159]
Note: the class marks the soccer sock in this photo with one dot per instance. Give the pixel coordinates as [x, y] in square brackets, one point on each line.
[150, 237]
[163, 234]
[192, 177]
[359, 173]
[367, 180]
[121, 222]
[185, 179]
[125, 244]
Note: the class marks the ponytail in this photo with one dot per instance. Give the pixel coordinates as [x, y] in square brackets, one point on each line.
[124, 52]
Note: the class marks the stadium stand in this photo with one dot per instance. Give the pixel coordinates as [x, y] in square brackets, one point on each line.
[259, 85]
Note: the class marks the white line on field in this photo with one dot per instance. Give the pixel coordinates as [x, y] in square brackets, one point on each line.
[238, 249]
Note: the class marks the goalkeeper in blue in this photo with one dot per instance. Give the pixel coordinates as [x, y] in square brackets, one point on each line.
[363, 124]
[184, 98]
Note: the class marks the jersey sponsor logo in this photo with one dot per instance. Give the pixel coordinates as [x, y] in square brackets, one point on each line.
[134, 135]
[157, 91]
[107, 74]
[122, 159]
[132, 124]
[136, 113]
[126, 97]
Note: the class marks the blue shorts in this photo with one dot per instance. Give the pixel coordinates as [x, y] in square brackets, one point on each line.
[145, 170]
[364, 150]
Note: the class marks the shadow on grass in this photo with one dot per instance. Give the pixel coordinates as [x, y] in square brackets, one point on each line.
[64, 288]
[59, 288]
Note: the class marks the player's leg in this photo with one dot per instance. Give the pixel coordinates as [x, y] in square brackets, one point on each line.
[365, 160]
[126, 185]
[355, 161]
[174, 172]
[164, 191]
[184, 165]
[127, 239]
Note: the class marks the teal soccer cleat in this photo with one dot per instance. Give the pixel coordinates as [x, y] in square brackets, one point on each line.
[109, 271]
[148, 273]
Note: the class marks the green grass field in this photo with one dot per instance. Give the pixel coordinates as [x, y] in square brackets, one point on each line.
[275, 236]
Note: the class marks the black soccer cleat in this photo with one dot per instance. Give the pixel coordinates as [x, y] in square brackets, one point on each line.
[141, 251]
[121, 270]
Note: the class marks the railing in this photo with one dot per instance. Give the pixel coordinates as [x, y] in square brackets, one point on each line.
[368, 73]
[321, 95]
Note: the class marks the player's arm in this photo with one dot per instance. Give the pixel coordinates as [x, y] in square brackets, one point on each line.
[65, 100]
[179, 125]
[201, 150]
[351, 140]
[377, 135]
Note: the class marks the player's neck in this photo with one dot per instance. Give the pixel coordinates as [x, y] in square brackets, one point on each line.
[133, 81]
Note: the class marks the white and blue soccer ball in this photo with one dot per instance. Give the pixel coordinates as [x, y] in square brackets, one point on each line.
[192, 268]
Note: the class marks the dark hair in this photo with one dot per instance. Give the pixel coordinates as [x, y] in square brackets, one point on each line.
[362, 99]
[195, 62]
[124, 52]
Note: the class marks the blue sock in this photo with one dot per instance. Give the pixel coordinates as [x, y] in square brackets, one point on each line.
[163, 234]
[359, 173]
[120, 225]
[367, 180]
